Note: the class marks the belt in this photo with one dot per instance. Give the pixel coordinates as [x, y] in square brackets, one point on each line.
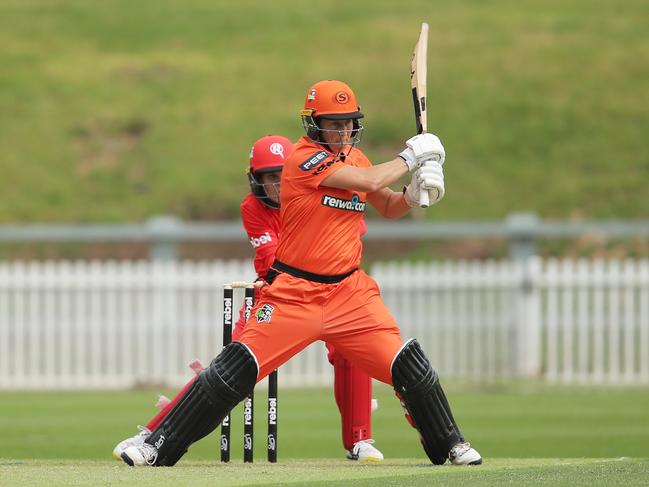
[309, 276]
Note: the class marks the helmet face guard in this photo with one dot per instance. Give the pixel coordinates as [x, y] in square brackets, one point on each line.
[312, 128]
[259, 189]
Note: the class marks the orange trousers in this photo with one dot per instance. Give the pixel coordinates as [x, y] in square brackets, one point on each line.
[292, 313]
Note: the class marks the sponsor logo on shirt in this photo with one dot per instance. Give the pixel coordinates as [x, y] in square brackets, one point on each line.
[323, 167]
[261, 240]
[353, 204]
[313, 161]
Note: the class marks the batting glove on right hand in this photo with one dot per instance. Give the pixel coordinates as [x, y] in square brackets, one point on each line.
[421, 148]
[429, 177]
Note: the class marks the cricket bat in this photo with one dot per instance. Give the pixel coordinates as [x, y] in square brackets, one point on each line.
[418, 69]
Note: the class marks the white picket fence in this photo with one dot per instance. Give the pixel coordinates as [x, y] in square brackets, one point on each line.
[113, 325]
[570, 322]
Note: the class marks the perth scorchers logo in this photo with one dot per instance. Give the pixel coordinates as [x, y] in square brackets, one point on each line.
[264, 314]
[341, 97]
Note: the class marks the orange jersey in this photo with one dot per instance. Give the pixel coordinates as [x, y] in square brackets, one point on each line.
[319, 225]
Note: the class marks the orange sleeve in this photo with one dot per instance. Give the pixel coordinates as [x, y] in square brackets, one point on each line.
[309, 167]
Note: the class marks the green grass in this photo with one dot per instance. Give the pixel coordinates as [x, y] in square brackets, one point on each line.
[528, 472]
[119, 110]
[528, 435]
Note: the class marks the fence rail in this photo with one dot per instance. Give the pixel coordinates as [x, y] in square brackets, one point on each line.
[119, 324]
[165, 233]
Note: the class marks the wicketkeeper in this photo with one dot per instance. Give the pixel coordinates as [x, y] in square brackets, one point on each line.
[260, 215]
[319, 292]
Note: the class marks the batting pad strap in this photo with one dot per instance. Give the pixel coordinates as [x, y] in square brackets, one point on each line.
[221, 386]
[417, 384]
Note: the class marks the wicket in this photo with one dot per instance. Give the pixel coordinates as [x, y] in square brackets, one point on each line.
[248, 403]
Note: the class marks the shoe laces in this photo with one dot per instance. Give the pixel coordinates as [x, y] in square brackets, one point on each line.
[150, 453]
[358, 444]
[459, 449]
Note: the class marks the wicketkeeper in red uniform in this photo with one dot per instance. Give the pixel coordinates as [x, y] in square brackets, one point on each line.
[260, 216]
[320, 293]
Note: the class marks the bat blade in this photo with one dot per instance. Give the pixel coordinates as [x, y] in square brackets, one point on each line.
[418, 69]
[418, 73]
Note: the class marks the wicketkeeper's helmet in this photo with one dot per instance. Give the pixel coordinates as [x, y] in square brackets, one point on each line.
[332, 100]
[267, 155]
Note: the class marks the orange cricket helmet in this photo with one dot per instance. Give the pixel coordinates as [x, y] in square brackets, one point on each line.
[333, 100]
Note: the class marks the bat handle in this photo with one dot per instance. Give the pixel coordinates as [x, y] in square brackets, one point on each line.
[424, 201]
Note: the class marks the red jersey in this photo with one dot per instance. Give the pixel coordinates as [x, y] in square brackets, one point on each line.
[262, 226]
[320, 225]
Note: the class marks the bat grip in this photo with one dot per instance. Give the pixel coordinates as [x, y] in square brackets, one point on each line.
[424, 201]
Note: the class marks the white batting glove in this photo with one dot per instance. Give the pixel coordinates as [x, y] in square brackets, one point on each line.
[429, 178]
[423, 147]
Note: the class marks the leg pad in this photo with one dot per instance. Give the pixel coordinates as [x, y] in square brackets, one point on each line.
[416, 383]
[216, 390]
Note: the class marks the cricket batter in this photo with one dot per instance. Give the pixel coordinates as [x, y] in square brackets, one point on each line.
[260, 216]
[320, 293]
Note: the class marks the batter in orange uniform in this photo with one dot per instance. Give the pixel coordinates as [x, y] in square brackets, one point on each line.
[319, 293]
[320, 242]
[260, 216]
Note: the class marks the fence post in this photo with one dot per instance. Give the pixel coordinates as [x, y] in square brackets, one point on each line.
[527, 337]
[528, 334]
[162, 244]
[523, 229]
